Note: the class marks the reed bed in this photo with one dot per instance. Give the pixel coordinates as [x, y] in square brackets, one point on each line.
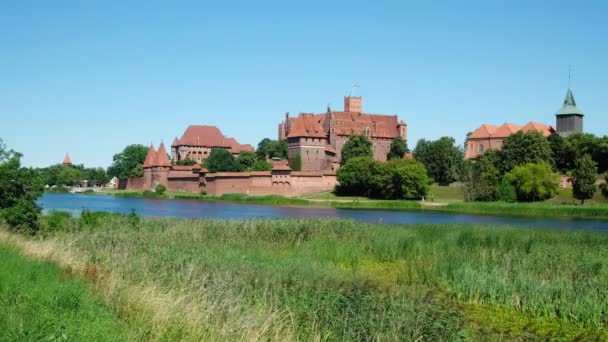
[319, 279]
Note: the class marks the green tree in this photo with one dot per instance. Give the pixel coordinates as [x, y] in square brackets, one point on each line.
[398, 179]
[524, 148]
[129, 163]
[558, 149]
[247, 159]
[96, 176]
[354, 177]
[221, 160]
[70, 176]
[260, 165]
[356, 146]
[160, 189]
[585, 172]
[442, 158]
[398, 149]
[186, 162]
[604, 187]
[19, 189]
[485, 177]
[532, 182]
[268, 148]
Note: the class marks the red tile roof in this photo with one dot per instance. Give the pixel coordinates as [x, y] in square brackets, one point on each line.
[546, 130]
[161, 156]
[505, 130]
[347, 123]
[484, 131]
[209, 136]
[150, 157]
[67, 160]
[489, 131]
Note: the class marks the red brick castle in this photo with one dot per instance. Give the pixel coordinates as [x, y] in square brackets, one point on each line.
[317, 139]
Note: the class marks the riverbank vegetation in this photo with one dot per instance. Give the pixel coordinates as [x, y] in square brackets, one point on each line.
[341, 280]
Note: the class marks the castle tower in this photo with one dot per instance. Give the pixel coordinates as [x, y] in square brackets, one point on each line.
[353, 104]
[66, 160]
[569, 119]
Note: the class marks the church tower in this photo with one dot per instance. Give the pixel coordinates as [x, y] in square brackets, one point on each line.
[569, 119]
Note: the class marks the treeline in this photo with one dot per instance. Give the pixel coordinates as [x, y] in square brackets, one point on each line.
[71, 175]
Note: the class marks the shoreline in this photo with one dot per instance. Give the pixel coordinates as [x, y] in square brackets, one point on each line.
[590, 211]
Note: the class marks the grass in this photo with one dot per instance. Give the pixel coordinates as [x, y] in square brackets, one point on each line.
[535, 209]
[342, 280]
[40, 301]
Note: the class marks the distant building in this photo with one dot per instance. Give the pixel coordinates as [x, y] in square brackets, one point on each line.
[488, 136]
[317, 139]
[66, 160]
[197, 141]
[569, 118]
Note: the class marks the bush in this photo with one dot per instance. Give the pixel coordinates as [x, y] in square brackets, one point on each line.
[532, 182]
[260, 165]
[160, 189]
[22, 216]
[203, 192]
[56, 220]
[398, 179]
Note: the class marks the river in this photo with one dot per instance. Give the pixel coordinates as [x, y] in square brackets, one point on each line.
[75, 203]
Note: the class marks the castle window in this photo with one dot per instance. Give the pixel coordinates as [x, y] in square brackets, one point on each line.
[480, 148]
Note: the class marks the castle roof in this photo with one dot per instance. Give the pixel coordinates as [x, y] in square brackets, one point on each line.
[486, 131]
[569, 106]
[346, 123]
[161, 156]
[150, 157]
[209, 136]
[67, 160]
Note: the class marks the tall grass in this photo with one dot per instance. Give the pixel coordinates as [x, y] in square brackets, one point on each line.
[537, 209]
[341, 280]
[41, 302]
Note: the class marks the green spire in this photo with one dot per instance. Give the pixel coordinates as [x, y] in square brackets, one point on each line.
[569, 106]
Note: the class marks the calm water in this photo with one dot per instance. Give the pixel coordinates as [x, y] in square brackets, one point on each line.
[191, 208]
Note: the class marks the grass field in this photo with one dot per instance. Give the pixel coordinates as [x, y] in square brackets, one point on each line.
[41, 302]
[341, 280]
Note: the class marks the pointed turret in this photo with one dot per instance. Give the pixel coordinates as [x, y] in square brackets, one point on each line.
[569, 118]
[150, 160]
[161, 156]
[175, 142]
[66, 160]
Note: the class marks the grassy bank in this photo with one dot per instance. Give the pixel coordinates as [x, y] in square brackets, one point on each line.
[341, 280]
[537, 209]
[41, 302]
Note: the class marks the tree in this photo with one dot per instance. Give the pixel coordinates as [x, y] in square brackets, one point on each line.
[356, 146]
[485, 177]
[70, 176]
[531, 182]
[96, 176]
[260, 165]
[246, 159]
[604, 187]
[585, 172]
[19, 189]
[268, 148]
[221, 160]
[442, 158]
[399, 179]
[354, 176]
[558, 149]
[398, 149]
[186, 162]
[129, 163]
[524, 148]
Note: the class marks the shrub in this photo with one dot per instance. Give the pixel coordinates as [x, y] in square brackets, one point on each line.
[260, 165]
[354, 176]
[604, 187]
[160, 189]
[23, 215]
[203, 192]
[56, 220]
[133, 218]
[585, 171]
[532, 182]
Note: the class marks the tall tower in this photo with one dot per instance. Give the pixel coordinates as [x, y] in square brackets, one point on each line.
[353, 104]
[569, 119]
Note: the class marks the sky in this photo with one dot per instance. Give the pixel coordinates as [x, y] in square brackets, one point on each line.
[91, 77]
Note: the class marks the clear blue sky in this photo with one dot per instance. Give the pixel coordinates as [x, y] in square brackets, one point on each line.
[89, 77]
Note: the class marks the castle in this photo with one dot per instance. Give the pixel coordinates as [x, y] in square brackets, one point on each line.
[315, 140]
[569, 119]
[197, 141]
